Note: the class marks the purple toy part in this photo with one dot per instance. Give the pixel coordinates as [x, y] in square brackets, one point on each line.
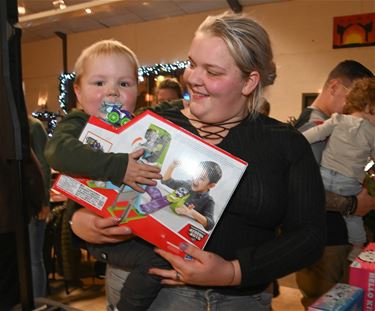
[153, 192]
[154, 205]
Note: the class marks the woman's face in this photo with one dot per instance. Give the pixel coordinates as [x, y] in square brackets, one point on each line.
[218, 90]
[109, 77]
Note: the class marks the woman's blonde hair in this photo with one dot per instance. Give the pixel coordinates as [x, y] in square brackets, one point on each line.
[361, 98]
[104, 47]
[249, 45]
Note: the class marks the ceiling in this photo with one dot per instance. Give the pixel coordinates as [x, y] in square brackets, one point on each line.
[42, 20]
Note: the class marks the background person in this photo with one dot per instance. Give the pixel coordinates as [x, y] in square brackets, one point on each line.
[37, 225]
[264, 107]
[351, 143]
[34, 192]
[333, 266]
[168, 96]
[169, 89]
[231, 62]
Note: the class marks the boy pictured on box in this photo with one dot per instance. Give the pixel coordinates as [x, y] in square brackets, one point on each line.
[199, 205]
[190, 198]
[107, 82]
[351, 143]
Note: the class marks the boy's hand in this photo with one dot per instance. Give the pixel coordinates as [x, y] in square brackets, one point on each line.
[175, 163]
[140, 173]
[168, 173]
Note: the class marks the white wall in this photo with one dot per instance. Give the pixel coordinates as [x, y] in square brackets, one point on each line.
[300, 30]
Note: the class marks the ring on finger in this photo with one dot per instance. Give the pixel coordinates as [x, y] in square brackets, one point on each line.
[178, 276]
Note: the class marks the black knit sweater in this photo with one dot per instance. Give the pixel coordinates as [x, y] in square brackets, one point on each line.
[274, 223]
[281, 191]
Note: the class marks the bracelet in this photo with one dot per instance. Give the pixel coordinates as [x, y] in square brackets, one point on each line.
[352, 207]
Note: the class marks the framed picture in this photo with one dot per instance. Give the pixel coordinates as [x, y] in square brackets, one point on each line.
[307, 99]
[354, 31]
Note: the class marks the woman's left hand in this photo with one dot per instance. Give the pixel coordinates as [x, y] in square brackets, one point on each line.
[204, 268]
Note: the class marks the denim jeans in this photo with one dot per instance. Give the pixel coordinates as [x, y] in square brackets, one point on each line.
[185, 298]
[343, 185]
[36, 237]
[137, 256]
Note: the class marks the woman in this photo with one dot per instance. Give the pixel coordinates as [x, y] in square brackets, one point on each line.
[274, 223]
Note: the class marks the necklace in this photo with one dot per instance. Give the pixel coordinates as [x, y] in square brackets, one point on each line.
[206, 134]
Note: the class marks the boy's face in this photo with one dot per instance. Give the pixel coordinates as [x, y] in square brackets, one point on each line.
[201, 183]
[107, 76]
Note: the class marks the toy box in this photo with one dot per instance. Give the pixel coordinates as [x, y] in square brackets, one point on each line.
[369, 181]
[170, 212]
[341, 297]
[362, 274]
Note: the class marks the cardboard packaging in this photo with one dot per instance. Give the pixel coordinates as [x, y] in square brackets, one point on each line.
[362, 274]
[165, 214]
[369, 181]
[342, 297]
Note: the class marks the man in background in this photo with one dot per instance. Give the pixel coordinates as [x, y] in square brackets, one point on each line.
[333, 267]
[264, 107]
[169, 89]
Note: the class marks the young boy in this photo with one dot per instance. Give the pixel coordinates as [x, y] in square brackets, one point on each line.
[106, 74]
[351, 143]
[198, 205]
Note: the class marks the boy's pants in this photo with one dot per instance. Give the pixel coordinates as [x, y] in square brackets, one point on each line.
[137, 257]
[343, 185]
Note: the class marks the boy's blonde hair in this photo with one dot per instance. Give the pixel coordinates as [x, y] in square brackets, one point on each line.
[361, 98]
[104, 47]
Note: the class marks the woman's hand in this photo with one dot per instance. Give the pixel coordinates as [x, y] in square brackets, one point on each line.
[95, 229]
[365, 203]
[204, 268]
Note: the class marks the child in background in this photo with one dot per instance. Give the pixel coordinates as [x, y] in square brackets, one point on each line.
[351, 143]
[107, 74]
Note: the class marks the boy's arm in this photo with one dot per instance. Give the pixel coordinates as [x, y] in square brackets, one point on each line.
[320, 132]
[168, 173]
[203, 215]
[192, 213]
[68, 155]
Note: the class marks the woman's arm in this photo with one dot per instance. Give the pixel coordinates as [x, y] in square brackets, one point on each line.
[358, 205]
[302, 223]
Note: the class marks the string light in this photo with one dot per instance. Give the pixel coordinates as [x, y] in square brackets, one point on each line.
[51, 118]
[67, 79]
[59, 4]
[143, 71]
[157, 69]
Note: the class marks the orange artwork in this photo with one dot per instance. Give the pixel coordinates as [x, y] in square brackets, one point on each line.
[354, 31]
